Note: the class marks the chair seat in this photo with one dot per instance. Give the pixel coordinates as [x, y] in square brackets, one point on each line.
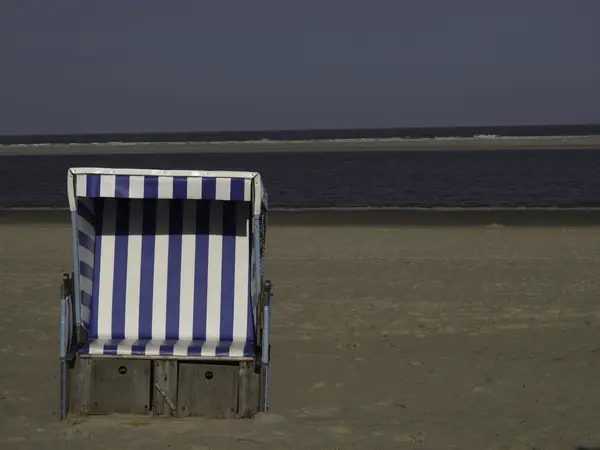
[157, 349]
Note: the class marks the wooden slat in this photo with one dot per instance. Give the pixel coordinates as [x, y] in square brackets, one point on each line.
[249, 390]
[165, 385]
[262, 388]
[79, 386]
[207, 390]
[120, 386]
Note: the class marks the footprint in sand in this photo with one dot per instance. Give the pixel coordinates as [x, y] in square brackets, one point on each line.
[319, 385]
[320, 412]
[415, 438]
[269, 418]
[339, 429]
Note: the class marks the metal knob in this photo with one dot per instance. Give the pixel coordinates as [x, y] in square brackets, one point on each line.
[268, 287]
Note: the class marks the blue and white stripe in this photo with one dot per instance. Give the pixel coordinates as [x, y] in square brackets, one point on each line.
[171, 278]
[163, 187]
[209, 185]
[165, 261]
[86, 238]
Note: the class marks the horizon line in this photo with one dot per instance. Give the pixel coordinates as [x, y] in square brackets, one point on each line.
[303, 134]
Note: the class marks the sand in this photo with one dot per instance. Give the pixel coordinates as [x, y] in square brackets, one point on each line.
[339, 145]
[480, 337]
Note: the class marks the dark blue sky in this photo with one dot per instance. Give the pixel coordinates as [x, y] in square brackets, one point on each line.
[124, 66]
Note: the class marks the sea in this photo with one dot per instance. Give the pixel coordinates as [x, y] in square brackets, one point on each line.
[516, 178]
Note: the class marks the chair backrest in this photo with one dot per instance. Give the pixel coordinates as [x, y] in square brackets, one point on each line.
[167, 269]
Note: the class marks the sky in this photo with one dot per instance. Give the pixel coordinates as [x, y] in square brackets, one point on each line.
[69, 66]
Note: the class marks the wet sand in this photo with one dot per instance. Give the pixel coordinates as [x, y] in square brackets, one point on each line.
[343, 145]
[388, 336]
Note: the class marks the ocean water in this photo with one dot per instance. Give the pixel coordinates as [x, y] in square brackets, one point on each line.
[503, 178]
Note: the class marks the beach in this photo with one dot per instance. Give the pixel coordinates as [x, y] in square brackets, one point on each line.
[392, 333]
[335, 145]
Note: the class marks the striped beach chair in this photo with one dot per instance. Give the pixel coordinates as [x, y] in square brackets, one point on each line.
[167, 310]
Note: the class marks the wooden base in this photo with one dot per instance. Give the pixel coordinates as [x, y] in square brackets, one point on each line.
[163, 388]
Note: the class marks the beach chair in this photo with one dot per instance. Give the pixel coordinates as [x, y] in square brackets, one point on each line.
[167, 310]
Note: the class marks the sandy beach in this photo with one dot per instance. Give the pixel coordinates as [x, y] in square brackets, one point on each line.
[385, 336]
[339, 145]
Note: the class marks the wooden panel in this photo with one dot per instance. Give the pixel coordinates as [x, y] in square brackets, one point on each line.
[207, 390]
[120, 386]
[79, 386]
[164, 389]
[262, 389]
[249, 390]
